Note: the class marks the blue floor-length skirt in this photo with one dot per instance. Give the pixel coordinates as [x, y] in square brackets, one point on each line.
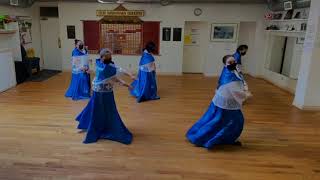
[216, 126]
[101, 120]
[145, 87]
[80, 86]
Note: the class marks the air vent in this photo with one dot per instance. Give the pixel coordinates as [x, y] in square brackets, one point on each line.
[281, 5]
[287, 5]
[14, 2]
[49, 12]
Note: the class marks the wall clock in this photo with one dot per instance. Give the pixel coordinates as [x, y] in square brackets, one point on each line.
[197, 11]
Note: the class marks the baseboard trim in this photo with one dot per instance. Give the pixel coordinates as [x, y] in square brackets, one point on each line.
[291, 91]
[7, 89]
[210, 75]
[158, 73]
[169, 73]
[310, 108]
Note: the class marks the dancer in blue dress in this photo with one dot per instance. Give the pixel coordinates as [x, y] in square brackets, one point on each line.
[145, 86]
[223, 121]
[100, 118]
[241, 51]
[80, 86]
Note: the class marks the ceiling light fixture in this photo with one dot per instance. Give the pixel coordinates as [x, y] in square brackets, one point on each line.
[110, 2]
[14, 2]
[165, 2]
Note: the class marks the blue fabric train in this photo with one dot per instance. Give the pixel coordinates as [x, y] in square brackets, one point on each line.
[145, 86]
[100, 118]
[223, 122]
[80, 86]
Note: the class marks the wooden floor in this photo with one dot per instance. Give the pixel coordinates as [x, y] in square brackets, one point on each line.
[38, 138]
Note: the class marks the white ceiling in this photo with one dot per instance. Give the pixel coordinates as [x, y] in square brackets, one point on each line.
[179, 1]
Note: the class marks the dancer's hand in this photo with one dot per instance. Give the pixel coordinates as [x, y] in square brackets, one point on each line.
[133, 78]
[248, 94]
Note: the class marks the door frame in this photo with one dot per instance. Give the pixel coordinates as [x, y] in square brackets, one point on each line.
[202, 32]
[42, 64]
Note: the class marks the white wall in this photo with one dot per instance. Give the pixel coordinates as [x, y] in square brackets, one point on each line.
[308, 87]
[10, 10]
[171, 53]
[32, 12]
[12, 41]
[171, 58]
[7, 72]
[246, 36]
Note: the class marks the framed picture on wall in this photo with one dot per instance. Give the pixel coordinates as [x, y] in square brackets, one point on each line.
[166, 34]
[224, 32]
[177, 32]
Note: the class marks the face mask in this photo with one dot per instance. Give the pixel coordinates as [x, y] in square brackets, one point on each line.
[232, 67]
[243, 53]
[81, 46]
[107, 60]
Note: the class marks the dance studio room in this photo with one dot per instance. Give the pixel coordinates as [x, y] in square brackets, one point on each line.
[159, 89]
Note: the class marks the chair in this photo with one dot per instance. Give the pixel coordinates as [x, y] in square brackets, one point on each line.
[30, 61]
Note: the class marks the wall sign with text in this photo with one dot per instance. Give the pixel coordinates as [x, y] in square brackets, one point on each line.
[136, 13]
[71, 32]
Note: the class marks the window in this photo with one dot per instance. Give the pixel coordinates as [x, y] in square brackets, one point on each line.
[91, 33]
[123, 39]
[49, 12]
[151, 32]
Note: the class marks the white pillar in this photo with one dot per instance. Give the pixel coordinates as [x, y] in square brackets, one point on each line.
[308, 87]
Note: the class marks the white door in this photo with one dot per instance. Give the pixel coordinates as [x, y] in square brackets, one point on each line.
[194, 54]
[50, 44]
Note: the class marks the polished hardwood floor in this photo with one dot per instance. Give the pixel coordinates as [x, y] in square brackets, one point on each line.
[38, 138]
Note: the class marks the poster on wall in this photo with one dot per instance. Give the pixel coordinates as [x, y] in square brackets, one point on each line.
[187, 40]
[177, 32]
[71, 32]
[166, 34]
[225, 32]
[25, 25]
[192, 40]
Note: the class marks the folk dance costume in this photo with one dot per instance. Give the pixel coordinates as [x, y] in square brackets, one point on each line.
[100, 118]
[145, 86]
[80, 85]
[223, 121]
[237, 56]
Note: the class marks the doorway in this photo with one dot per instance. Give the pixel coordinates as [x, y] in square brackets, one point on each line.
[51, 51]
[195, 48]
[247, 36]
[277, 54]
